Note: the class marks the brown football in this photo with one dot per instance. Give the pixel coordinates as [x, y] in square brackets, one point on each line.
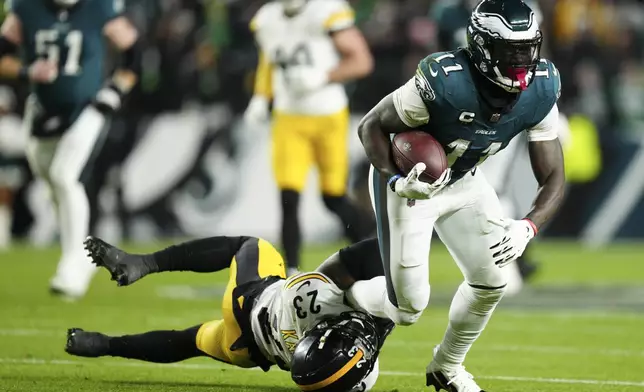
[411, 147]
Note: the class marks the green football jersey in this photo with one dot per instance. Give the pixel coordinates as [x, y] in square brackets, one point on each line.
[72, 37]
[468, 129]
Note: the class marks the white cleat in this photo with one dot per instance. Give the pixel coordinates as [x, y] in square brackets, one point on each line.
[450, 380]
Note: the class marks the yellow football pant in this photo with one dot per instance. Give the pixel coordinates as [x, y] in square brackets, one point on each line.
[256, 259]
[299, 141]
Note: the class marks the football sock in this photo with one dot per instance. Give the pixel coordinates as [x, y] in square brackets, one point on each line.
[157, 346]
[355, 228]
[203, 255]
[468, 315]
[291, 236]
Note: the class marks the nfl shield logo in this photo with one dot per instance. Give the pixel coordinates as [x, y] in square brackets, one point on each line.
[411, 202]
[495, 117]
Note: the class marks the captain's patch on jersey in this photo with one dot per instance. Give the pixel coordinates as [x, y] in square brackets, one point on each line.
[424, 88]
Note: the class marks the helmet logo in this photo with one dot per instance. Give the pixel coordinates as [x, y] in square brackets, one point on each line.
[483, 67]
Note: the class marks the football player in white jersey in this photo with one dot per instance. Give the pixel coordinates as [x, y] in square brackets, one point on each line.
[296, 323]
[307, 50]
[473, 101]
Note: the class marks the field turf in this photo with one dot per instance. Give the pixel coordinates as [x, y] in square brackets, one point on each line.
[580, 327]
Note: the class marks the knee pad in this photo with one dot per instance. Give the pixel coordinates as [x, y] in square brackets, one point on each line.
[412, 301]
[401, 316]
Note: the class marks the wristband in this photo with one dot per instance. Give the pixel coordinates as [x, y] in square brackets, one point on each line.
[392, 182]
[531, 223]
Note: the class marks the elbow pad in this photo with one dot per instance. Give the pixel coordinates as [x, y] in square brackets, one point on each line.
[7, 47]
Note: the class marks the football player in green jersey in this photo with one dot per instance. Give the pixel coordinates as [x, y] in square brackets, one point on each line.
[58, 46]
[473, 101]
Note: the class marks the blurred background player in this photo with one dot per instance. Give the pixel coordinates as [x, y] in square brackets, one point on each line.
[12, 151]
[307, 50]
[62, 57]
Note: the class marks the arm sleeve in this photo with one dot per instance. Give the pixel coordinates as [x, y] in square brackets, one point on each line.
[547, 129]
[340, 16]
[409, 104]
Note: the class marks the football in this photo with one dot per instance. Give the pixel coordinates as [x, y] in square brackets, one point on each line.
[411, 147]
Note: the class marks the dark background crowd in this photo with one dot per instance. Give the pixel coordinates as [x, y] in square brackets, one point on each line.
[201, 54]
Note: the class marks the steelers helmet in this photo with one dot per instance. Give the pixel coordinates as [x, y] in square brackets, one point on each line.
[337, 354]
[504, 42]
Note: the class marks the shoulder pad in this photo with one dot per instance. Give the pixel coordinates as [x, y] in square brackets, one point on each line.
[433, 74]
[548, 77]
[335, 15]
[547, 81]
[262, 15]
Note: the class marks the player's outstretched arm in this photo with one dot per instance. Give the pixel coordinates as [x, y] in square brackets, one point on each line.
[153, 346]
[548, 167]
[374, 131]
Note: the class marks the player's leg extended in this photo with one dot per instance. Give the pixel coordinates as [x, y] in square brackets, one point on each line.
[203, 255]
[154, 346]
[332, 157]
[292, 159]
[255, 259]
[468, 234]
[73, 152]
[404, 234]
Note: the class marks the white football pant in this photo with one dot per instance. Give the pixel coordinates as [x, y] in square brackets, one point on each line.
[60, 161]
[497, 169]
[467, 218]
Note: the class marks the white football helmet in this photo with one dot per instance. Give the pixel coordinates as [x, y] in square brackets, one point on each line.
[293, 6]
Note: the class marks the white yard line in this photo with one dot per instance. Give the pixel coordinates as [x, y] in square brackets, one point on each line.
[543, 380]
[562, 350]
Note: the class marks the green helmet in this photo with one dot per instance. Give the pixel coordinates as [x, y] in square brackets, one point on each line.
[504, 42]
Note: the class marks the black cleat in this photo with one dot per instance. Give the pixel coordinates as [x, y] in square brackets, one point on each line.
[86, 344]
[124, 267]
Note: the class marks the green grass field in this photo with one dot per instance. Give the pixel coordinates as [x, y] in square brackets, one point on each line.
[580, 327]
